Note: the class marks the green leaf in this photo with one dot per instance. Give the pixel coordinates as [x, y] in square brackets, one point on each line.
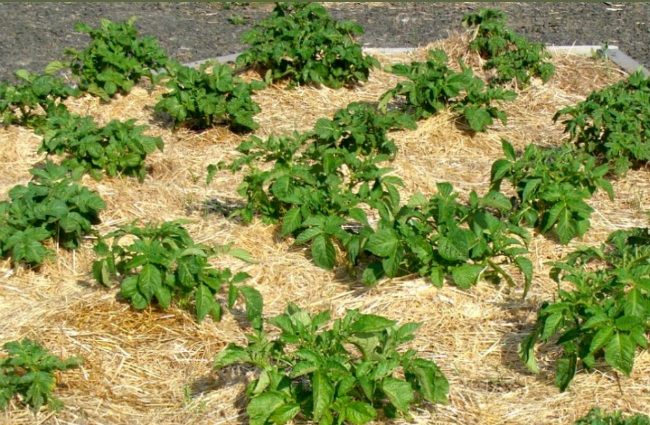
[565, 370]
[284, 414]
[451, 251]
[399, 393]
[371, 323]
[323, 252]
[254, 305]
[292, 221]
[431, 383]
[230, 355]
[148, 280]
[383, 243]
[601, 338]
[526, 268]
[261, 407]
[205, 302]
[467, 275]
[323, 392]
[619, 352]
[359, 413]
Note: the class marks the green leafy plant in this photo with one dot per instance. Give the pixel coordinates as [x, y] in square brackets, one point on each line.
[28, 370]
[116, 58]
[301, 43]
[326, 171]
[348, 373]
[598, 417]
[163, 263]
[119, 147]
[441, 237]
[25, 103]
[432, 86]
[551, 187]
[612, 123]
[200, 99]
[237, 19]
[325, 186]
[510, 54]
[50, 207]
[605, 314]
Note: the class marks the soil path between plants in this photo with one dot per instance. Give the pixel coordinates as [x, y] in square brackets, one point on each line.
[34, 34]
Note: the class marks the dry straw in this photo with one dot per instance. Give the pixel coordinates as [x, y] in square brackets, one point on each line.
[154, 367]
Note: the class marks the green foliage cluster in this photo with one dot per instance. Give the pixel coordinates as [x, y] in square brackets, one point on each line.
[612, 123]
[163, 263]
[605, 314]
[24, 103]
[50, 207]
[326, 184]
[301, 43]
[551, 186]
[28, 370]
[119, 147]
[598, 417]
[510, 54]
[347, 373]
[200, 99]
[432, 86]
[116, 58]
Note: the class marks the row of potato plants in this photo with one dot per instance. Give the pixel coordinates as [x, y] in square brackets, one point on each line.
[424, 236]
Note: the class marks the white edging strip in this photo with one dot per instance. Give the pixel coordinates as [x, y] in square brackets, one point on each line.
[616, 55]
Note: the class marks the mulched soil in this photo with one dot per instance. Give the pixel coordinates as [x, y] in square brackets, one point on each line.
[35, 33]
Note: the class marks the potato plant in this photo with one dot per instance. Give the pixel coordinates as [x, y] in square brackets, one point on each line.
[551, 187]
[301, 43]
[612, 123]
[50, 207]
[28, 371]
[26, 103]
[199, 99]
[347, 371]
[432, 86]
[115, 60]
[120, 147]
[324, 186]
[597, 417]
[511, 55]
[606, 313]
[163, 264]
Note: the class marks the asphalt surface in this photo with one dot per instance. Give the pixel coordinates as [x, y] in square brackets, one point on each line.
[33, 34]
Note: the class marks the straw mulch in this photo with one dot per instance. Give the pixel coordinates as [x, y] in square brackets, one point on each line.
[154, 367]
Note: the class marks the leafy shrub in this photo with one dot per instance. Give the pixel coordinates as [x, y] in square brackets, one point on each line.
[119, 147]
[315, 373]
[509, 53]
[23, 103]
[116, 58]
[51, 206]
[325, 171]
[325, 185]
[598, 417]
[28, 370]
[163, 263]
[612, 123]
[301, 43]
[606, 313]
[199, 99]
[552, 186]
[432, 86]
[440, 237]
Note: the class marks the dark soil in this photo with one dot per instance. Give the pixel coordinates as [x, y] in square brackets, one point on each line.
[35, 33]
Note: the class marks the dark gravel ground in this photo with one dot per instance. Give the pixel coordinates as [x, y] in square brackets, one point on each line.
[32, 34]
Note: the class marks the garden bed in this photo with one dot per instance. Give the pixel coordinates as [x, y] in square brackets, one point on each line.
[156, 366]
